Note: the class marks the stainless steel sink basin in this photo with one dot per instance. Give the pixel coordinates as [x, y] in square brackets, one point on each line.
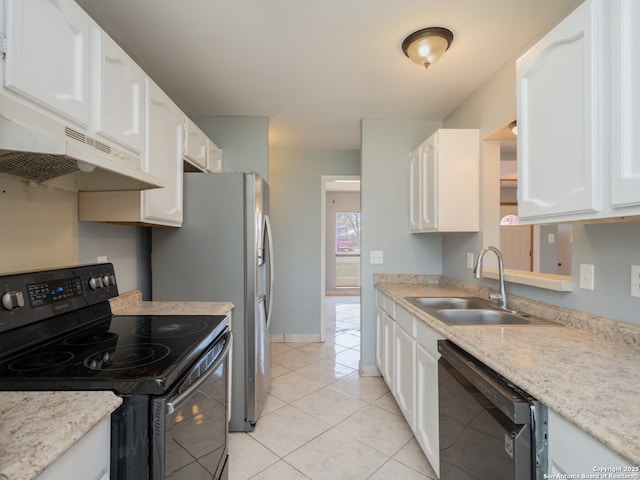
[442, 303]
[459, 311]
[488, 317]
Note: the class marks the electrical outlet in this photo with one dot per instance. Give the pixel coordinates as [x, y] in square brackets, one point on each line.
[635, 280]
[376, 257]
[551, 238]
[470, 260]
[587, 273]
[102, 259]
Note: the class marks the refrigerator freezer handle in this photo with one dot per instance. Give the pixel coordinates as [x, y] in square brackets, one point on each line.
[267, 224]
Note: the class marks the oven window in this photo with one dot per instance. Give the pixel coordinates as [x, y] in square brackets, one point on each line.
[196, 433]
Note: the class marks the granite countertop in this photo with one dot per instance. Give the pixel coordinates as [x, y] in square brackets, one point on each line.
[589, 375]
[38, 427]
[130, 303]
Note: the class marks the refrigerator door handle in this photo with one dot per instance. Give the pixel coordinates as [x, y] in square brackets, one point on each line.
[267, 225]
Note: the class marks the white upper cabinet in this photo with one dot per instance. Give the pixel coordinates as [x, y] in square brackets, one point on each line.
[625, 111]
[118, 87]
[51, 73]
[560, 87]
[215, 157]
[578, 117]
[444, 183]
[163, 156]
[196, 148]
[164, 134]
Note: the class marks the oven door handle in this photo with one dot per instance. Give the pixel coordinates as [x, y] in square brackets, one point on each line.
[177, 401]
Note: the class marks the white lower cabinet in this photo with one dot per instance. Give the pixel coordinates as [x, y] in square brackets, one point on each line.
[576, 454]
[388, 334]
[379, 337]
[88, 459]
[407, 356]
[404, 363]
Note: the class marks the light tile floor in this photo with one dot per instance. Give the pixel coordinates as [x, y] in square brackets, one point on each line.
[322, 421]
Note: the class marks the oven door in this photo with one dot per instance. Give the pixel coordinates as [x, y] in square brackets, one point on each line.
[191, 423]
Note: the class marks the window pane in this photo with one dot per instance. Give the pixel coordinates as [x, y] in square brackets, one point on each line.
[347, 249]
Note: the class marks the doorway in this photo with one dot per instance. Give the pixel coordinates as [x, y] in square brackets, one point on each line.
[340, 256]
[343, 243]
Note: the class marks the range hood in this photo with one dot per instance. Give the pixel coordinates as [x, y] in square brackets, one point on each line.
[36, 156]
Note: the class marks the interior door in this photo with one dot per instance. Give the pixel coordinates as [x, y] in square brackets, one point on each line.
[515, 244]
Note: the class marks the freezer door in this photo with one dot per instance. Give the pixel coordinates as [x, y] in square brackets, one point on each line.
[259, 294]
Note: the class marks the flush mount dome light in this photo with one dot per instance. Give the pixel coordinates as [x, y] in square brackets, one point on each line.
[426, 46]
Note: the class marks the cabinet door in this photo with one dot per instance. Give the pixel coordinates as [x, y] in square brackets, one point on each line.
[87, 459]
[429, 184]
[118, 89]
[379, 338]
[388, 334]
[560, 112]
[625, 121]
[414, 190]
[214, 162]
[196, 148]
[47, 56]
[404, 370]
[163, 157]
[574, 452]
[426, 412]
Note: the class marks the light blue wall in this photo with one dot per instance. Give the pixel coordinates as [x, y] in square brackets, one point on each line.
[244, 142]
[296, 201]
[386, 145]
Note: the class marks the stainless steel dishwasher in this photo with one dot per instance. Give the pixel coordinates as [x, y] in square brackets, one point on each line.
[489, 429]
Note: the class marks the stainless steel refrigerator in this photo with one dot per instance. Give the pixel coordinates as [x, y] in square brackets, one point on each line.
[223, 252]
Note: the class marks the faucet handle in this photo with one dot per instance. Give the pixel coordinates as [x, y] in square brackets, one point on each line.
[494, 296]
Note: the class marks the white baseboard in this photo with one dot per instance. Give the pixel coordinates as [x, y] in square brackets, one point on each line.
[369, 371]
[295, 337]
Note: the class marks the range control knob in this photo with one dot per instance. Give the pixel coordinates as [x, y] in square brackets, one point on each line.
[95, 283]
[12, 300]
[109, 280]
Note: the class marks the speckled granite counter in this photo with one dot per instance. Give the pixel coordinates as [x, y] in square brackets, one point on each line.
[38, 427]
[130, 303]
[590, 376]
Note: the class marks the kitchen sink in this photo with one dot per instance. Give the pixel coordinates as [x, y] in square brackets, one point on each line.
[460, 311]
[488, 317]
[447, 303]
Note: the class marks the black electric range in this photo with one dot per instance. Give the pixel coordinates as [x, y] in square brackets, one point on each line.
[57, 332]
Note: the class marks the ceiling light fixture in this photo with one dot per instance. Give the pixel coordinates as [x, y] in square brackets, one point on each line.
[426, 46]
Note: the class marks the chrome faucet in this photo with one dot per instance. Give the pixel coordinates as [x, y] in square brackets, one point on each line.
[501, 298]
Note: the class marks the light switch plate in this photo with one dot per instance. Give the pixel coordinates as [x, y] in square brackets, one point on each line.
[102, 259]
[587, 273]
[376, 257]
[470, 260]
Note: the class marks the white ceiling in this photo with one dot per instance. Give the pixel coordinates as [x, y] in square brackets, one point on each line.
[316, 67]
